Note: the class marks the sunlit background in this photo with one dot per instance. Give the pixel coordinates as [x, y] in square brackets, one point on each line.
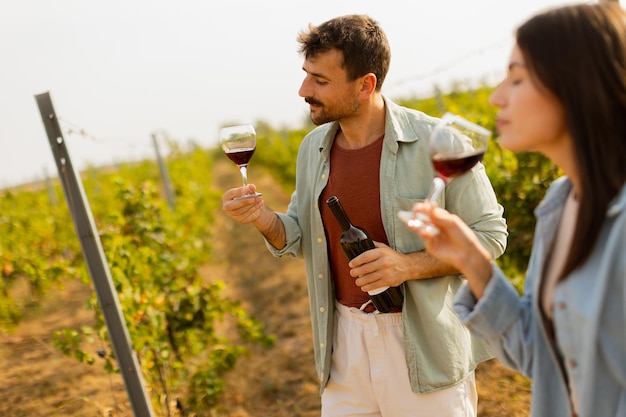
[119, 71]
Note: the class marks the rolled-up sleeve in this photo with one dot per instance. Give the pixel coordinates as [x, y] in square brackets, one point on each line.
[487, 317]
[293, 237]
[502, 318]
[473, 199]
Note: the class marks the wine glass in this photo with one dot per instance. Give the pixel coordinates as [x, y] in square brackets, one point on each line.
[239, 144]
[455, 145]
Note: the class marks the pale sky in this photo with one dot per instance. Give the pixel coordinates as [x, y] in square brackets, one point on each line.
[121, 70]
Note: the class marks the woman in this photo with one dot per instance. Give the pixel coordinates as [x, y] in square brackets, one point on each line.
[565, 97]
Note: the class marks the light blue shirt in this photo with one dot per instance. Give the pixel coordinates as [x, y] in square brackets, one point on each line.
[439, 350]
[589, 318]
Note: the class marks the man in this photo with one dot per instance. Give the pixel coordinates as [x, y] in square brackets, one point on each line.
[373, 155]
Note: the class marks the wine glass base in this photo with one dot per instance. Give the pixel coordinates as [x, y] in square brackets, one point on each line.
[421, 222]
[241, 197]
[406, 217]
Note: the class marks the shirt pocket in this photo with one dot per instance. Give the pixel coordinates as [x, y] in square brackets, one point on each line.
[405, 240]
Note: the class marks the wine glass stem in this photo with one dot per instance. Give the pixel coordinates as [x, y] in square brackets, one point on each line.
[244, 174]
[422, 220]
[436, 189]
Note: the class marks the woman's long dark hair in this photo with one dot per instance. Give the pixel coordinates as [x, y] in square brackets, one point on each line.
[578, 53]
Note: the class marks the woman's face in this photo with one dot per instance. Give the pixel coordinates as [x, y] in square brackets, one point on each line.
[530, 117]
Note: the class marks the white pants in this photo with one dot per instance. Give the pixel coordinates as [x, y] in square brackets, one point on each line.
[369, 376]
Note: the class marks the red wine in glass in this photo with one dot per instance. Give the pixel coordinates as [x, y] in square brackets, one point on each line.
[456, 146]
[239, 143]
[240, 156]
[452, 165]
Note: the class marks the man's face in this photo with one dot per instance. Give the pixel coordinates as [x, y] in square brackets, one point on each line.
[326, 88]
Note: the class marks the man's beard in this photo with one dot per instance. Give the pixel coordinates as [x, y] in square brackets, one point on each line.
[324, 114]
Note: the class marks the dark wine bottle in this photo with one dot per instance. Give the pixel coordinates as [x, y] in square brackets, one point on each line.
[354, 241]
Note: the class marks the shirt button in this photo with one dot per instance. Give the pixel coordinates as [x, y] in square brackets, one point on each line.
[322, 309]
[561, 305]
[320, 276]
[322, 345]
[323, 176]
[572, 363]
[319, 240]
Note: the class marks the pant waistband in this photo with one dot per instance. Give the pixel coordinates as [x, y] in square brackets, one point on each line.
[354, 314]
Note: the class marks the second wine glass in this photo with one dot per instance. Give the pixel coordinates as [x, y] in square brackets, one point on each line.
[455, 145]
[239, 144]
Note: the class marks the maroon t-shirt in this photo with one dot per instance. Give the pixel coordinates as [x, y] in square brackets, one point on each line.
[355, 180]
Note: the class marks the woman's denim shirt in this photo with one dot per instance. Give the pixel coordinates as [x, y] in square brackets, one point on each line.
[589, 318]
[440, 352]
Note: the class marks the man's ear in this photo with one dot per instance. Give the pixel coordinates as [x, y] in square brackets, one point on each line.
[368, 83]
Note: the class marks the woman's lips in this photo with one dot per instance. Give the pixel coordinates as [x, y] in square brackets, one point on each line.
[501, 123]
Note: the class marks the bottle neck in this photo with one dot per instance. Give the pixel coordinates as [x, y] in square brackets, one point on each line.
[339, 213]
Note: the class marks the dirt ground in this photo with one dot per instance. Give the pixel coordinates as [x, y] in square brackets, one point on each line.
[37, 380]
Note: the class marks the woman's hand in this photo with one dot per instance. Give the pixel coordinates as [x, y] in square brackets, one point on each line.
[456, 244]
